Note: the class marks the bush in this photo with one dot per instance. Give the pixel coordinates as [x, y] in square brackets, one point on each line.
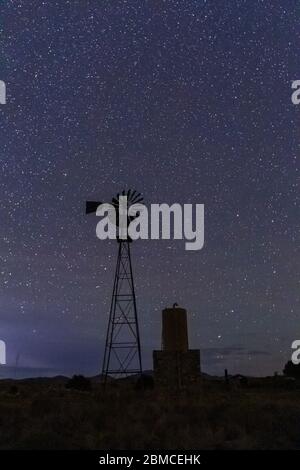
[144, 382]
[13, 390]
[79, 382]
[292, 370]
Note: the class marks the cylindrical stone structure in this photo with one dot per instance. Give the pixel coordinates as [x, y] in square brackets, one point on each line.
[174, 330]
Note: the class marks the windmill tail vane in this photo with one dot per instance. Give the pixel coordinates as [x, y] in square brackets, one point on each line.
[120, 204]
[132, 197]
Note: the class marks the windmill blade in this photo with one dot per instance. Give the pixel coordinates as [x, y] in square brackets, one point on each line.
[115, 201]
[91, 206]
[139, 199]
[133, 194]
[136, 196]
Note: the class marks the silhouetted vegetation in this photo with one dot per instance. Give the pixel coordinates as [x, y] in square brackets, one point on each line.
[145, 382]
[79, 382]
[44, 414]
[292, 370]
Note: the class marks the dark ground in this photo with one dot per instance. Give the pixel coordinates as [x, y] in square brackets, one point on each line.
[44, 414]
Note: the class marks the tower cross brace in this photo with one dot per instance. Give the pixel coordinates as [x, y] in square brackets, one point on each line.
[122, 355]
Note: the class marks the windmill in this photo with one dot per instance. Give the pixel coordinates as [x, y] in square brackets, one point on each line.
[122, 354]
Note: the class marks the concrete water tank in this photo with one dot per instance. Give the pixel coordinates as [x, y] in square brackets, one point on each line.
[174, 329]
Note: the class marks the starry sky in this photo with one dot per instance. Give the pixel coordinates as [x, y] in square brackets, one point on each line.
[186, 101]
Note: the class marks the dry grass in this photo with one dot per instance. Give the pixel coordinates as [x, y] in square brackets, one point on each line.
[210, 416]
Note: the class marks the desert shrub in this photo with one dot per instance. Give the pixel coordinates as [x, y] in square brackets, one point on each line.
[292, 370]
[13, 390]
[244, 381]
[145, 382]
[79, 382]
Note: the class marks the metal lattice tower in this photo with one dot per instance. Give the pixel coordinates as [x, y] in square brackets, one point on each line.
[122, 348]
[122, 354]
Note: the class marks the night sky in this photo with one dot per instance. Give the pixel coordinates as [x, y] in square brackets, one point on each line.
[186, 101]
